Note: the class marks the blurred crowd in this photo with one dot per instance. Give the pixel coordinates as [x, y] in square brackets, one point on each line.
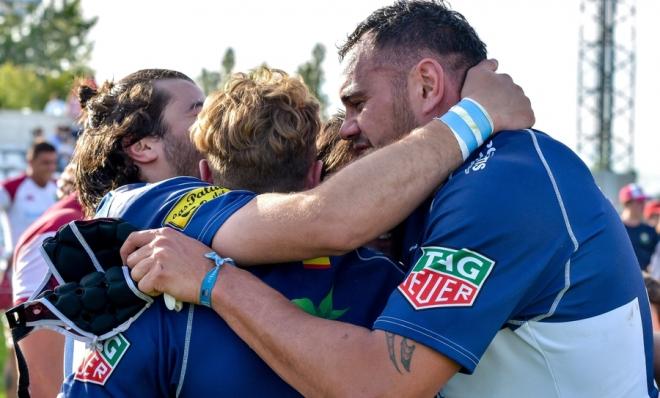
[641, 215]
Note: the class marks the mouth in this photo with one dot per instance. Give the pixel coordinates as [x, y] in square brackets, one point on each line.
[360, 149]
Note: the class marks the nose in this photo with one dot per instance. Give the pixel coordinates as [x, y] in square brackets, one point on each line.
[349, 129]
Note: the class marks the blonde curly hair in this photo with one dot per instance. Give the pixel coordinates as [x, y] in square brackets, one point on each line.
[258, 133]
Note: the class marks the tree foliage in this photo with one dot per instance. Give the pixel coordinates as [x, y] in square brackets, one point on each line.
[23, 88]
[211, 80]
[43, 45]
[313, 75]
[49, 37]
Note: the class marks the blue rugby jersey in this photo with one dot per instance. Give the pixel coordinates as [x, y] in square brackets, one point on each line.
[524, 275]
[193, 352]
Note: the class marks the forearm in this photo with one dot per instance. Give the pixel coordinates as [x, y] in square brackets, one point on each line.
[320, 357]
[43, 351]
[368, 197]
[282, 335]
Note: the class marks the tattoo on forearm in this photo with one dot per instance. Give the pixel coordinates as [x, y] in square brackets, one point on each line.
[390, 349]
[407, 348]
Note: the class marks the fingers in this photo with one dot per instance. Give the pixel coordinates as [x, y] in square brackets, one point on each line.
[139, 255]
[142, 268]
[490, 64]
[147, 284]
[136, 240]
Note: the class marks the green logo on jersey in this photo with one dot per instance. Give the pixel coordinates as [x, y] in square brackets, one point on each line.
[324, 309]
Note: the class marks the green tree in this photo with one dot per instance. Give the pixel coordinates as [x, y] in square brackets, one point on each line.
[49, 36]
[211, 80]
[208, 80]
[312, 73]
[43, 46]
[22, 87]
[228, 62]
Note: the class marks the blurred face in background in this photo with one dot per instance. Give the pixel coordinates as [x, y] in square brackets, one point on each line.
[42, 167]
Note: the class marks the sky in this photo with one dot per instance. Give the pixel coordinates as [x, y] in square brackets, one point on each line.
[535, 41]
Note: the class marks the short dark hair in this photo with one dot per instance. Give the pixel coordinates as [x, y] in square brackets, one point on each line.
[416, 26]
[114, 117]
[37, 148]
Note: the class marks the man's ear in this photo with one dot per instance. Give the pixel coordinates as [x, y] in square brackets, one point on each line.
[427, 81]
[205, 171]
[146, 150]
[314, 174]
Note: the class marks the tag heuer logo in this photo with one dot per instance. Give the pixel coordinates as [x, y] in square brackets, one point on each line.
[445, 277]
[98, 365]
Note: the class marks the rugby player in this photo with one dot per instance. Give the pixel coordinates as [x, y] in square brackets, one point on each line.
[521, 276]
[156, 382]
[141, 120]
[258, 134]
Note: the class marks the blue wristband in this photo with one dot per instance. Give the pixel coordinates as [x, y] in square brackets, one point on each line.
[470, 124]
[209, 280]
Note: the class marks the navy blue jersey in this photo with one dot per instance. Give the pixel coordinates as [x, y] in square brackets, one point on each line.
[525, 277]
[193, 352]
[644, 239]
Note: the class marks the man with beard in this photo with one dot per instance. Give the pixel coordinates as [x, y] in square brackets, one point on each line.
[520, 274]
[258, 134]
[135, 130]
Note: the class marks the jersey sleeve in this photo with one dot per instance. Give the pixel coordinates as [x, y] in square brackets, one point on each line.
[489, 232]
[200, 212]
[184, 203]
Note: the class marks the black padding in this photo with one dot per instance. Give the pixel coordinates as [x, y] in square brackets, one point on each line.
[94, 301]
[95, 279]
[71, 260]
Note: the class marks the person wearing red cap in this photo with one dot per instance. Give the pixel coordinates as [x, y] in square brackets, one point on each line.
[652, 216]
[643, 237]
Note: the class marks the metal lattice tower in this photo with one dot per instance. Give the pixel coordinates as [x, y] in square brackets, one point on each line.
[606, 84]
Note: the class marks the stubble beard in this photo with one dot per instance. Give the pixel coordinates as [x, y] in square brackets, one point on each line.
[403, 118]
[182, 155]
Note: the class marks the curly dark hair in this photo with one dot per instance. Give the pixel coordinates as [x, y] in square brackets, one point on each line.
[114, 117]
[412, 27]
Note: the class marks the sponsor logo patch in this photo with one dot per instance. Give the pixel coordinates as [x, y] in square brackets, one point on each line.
[99, 364]
[186, 207]
[444, 277]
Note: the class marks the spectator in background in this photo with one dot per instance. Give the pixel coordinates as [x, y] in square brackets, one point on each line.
[652, 216]
[43, 349]
[55, 106]
[64, 142]
[643, 237]
[26, 197]
[37, 134]
[22, 200]
[653, 290]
